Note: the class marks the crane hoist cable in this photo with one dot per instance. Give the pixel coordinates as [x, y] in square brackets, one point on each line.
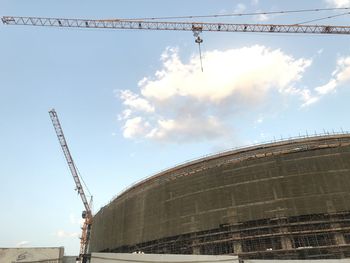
[199, 41]
[323, 18]
[283, 12]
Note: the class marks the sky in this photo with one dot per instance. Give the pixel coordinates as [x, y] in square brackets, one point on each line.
[133, 103]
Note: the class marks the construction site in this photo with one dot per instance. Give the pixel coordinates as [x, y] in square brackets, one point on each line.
[284, 200]
[280, 201]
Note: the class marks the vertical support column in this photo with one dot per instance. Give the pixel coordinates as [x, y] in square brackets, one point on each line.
[286, 242]
[237, 245]
[196, 250]
[338, 236]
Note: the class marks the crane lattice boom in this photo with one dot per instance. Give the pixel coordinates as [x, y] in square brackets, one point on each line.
[72, 167]
[181, 26]
[87, 214]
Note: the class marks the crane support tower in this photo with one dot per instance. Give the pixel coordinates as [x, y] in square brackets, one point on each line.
[181, 26]
[87, 213]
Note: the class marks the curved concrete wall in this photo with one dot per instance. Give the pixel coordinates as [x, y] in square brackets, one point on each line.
[285, 179]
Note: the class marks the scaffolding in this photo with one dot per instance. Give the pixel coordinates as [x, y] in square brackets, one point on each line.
[291, 229]
[317, 236]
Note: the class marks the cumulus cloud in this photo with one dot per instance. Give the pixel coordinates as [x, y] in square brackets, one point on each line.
[342, 72]
[64, 234]
[246, 72]
[339, 76]
[135, 127]
[181, 103]
[338, 3]
[135, 102]
[186, 128]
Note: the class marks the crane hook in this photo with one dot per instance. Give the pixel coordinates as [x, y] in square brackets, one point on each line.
[198, 40]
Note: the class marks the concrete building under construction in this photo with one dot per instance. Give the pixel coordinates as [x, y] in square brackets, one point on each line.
[281, 200]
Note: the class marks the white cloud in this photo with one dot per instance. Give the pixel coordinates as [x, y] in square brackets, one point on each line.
[135, 127]
[247, 72]
[306, 96]
[340, 76]
[190, 105]
[22, 244]
[326, 88]
[64, 234]
[135, 102]
[309, 99]
[338, 3]
[262, 17]
[342, 72]
[125, 114]
[187, 128]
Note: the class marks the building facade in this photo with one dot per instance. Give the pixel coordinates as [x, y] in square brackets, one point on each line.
[282, 200]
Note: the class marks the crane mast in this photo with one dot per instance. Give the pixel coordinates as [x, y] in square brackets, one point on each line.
[181, 26]
[87, 213]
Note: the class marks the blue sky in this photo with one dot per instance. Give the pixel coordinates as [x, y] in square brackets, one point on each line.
[133, 103]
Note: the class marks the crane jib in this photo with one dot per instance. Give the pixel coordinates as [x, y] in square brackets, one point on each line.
[69, 159]
[181, 26]
[87, 214]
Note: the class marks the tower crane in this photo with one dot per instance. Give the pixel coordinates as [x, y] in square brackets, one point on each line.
[122, 24]
[87, 213]
[195, 27]
[181, 26]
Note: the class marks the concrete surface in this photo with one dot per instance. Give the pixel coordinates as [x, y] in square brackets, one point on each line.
[39, 254]
[69, 259]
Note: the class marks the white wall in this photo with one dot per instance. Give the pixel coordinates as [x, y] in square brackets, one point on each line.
[148, 258]
[155, 258]
[49, 255]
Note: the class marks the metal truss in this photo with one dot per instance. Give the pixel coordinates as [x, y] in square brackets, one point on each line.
[180, 26]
